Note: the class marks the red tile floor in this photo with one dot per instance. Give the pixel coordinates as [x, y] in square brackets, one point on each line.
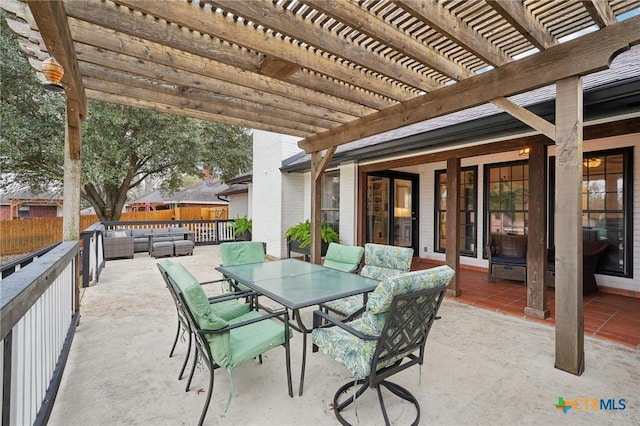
[606, 316]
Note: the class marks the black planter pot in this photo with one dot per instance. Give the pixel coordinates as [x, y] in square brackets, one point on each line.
[294, 247]
[245, 236]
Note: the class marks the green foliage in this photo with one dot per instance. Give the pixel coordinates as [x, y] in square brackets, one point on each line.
[242, 225]
[121, 146]
[301, 232]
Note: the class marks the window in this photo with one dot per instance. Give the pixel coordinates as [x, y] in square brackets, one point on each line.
[606, 204]
[468, 205]
[24, 211]
[330, 205]
[507, 198]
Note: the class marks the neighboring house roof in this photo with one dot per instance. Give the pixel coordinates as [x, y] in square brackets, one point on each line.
[241, 178]
[607, 93]
[152, 197]
[199, 193]
[236, 188]
[237, 184]
[24, 195]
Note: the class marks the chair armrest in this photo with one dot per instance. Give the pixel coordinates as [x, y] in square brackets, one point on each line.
[283, 312]
[334, 321]
[231, 296]
[215, 281]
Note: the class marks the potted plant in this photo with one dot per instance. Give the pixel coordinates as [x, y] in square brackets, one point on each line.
[242, 231]
[299, 238]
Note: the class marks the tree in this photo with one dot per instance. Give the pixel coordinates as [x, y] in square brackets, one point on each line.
[121, 146]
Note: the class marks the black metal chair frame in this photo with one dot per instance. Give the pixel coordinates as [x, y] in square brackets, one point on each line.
[183, 324]
[203, 349]
[405, 332]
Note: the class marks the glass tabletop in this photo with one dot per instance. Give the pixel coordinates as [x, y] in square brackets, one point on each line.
[297, 284]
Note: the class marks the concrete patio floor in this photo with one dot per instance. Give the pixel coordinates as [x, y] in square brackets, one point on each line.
[483, 367]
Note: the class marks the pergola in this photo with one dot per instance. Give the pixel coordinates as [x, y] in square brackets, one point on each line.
[332, 72]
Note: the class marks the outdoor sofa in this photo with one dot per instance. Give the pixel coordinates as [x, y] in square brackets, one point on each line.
[141, 237]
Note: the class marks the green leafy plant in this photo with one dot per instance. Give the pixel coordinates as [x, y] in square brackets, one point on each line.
[301, 232]
[242, 225]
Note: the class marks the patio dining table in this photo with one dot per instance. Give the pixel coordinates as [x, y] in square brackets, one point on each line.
[295, 284]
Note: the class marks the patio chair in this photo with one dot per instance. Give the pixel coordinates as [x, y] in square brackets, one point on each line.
[226, 307]
[343, 258]
[389, 337]
[230, 343]
[241, 253]
[380, 262]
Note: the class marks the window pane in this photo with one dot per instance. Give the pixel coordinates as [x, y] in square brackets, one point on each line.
[467, 216]
[603, 208]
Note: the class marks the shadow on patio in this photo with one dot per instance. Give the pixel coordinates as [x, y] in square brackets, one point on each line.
[482, 367]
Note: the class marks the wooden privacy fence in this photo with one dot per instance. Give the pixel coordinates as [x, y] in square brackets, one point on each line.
[28, 235]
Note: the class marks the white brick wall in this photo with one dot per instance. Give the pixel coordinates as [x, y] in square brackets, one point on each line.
[348, 203]
[275, 197]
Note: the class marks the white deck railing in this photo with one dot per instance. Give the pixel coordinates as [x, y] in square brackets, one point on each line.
[38, 317]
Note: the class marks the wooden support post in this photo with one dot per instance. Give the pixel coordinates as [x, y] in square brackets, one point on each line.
[536, 234]
[72, 173]
[318, 165]
[568, 232]
[453, 226]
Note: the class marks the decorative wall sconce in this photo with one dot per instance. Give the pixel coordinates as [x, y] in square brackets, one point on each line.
[53, 73]
[524, 151]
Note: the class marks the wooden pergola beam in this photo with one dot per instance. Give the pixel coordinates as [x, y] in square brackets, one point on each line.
[455, 29]
[601, 12]
[353, 15]
[175, 110]
[205, 21]
[237, 73]
[273, 15]
[581, 56]
[517, 15]
[51, 18]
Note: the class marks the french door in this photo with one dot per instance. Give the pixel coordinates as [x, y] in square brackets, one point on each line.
[392, 209]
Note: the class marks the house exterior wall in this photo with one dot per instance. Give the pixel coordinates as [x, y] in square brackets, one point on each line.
[295, 201]
[35, 211]
[275, 196]
[5, 212]
[238, 205]
[427, 205]
[250, 200]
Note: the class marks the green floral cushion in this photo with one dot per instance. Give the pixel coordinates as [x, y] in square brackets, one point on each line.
[354, 353]
[379, 273]
[381, 262]
[357, 354]
[388, 256]
[380, 299]
[347, 305]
